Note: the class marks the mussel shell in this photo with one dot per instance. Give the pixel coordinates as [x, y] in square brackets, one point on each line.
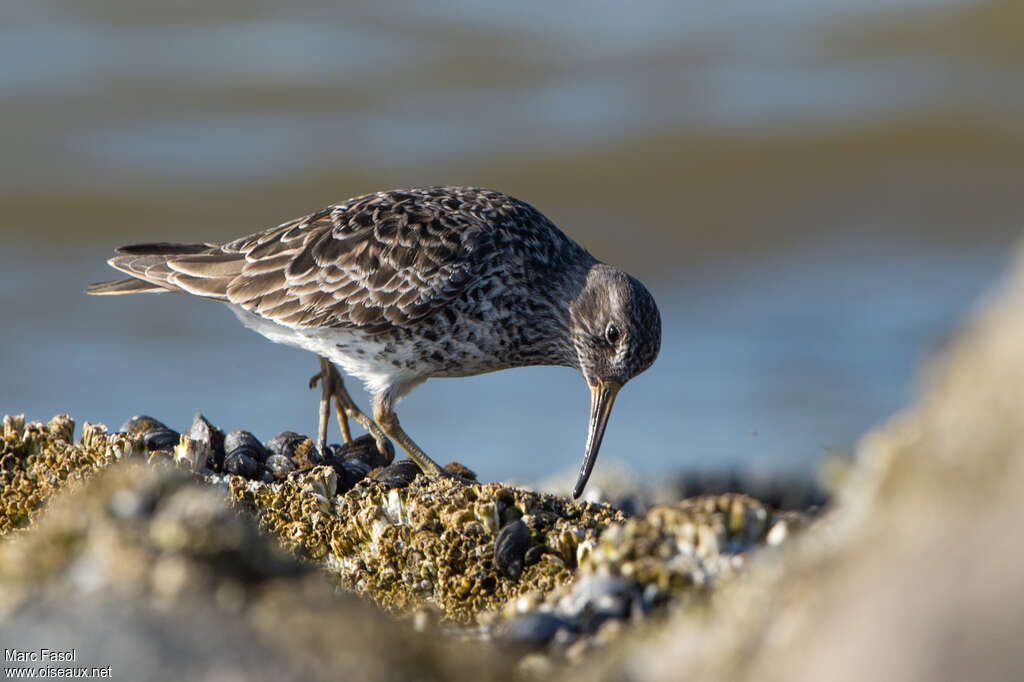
[257, 454]
[284, 443]
[364, 449]
[398, 475]
[510, 549]
[160, 438]
[533, 630]
[350, 472]
[534, 554]
[280, 466]
[310, 456]
[239, 463]
[296, 447]
[356, 468]
[141, 423]
[245, 443]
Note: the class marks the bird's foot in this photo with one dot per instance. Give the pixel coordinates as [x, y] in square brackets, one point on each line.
[333, 387]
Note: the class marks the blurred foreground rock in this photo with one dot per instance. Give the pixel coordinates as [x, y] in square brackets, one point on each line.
[150, 572]
[917, 575]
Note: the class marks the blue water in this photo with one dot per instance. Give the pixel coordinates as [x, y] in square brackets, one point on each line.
[766, 363]
[769, 360]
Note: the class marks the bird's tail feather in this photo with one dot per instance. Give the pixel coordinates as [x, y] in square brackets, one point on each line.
[199, 269]
[128, 285]
[133, 285]
[162, 249]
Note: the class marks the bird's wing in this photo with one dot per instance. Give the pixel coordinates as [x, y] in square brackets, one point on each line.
[375, 262]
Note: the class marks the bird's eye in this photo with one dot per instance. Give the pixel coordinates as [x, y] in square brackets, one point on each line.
[612, 334]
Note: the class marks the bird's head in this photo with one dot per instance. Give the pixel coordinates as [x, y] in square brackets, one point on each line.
[616, 331]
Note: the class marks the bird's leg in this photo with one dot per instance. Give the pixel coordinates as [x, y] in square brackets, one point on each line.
[341, 397]
[385, 415]
[346, 433]
[324, 377]
[345, 408]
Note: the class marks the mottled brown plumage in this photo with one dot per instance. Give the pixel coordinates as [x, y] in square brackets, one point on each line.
[373, 262]
[404, 285]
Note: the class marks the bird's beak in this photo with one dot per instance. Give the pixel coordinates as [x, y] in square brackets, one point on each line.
[602, 397]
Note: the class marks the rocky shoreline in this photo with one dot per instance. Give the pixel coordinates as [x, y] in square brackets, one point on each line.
[544, 577]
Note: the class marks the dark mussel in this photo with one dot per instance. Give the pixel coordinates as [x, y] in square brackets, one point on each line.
[355, 469]
[534, 554]
[241, 464]
[284, 443]
[160, 438]
[280, 466]
[363, 449]
[510, 549]
[398, 475]
[141, 423]
[349, 472]
[243, 442]
[350, 469]
[295, 447]
[534, 630]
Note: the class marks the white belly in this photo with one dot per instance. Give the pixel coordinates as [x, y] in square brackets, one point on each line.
[359, 355]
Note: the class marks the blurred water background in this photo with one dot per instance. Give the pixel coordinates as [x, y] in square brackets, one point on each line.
[815, 193]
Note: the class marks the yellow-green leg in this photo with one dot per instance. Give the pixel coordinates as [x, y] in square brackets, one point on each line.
[388, 420]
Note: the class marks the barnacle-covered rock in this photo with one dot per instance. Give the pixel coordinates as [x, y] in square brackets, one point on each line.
[428, 544]
[37, 460]
[61, 428]
[637, 565]
[408, 542]
[192, 454]
[688, 543]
